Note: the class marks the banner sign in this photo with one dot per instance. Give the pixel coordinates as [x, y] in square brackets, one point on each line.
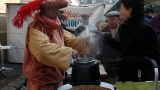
[74, 13]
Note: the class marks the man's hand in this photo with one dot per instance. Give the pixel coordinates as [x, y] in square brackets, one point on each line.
[75, 54]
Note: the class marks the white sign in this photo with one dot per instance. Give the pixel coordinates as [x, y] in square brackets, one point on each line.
[75, 2]
[74, 13]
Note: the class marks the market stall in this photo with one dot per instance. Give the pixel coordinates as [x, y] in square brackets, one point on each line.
[16, 37]
[83, 70]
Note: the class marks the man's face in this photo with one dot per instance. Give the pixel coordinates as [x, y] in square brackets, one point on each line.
[52, 13]
[85, 21]
[113, 22]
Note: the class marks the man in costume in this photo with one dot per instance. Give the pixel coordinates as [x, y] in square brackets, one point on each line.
[48, 49]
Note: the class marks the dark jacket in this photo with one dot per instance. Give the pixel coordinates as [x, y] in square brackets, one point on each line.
[158, 38]
[108, 52]
[137, 40]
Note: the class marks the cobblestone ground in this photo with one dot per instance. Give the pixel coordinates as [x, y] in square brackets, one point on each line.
[7, 77]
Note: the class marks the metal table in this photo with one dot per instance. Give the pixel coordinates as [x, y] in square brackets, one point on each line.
[2, 48]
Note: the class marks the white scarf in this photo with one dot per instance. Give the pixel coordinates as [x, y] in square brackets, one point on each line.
[114, 32]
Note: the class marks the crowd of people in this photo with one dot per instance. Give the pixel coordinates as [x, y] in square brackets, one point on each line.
[126, 41]
[121, 45]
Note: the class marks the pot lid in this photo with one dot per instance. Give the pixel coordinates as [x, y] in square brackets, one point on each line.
[84, 60]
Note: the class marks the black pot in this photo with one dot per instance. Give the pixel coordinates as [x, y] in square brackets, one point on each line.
[85, 72]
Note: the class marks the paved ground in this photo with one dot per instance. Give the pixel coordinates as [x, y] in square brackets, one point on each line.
[7, 77]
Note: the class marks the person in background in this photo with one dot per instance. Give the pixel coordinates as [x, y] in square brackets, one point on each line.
[137, 40]
[101, 26]
[61, 12]
[87, 24]
[113, 24]
[84, 29]
[155, 23]
[49, 48]
[148, 15]
[108, 52]
[63, 20]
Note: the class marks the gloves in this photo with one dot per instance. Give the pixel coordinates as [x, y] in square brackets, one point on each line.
[79, 30]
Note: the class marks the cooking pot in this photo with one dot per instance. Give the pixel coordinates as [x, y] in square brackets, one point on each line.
[85, 71]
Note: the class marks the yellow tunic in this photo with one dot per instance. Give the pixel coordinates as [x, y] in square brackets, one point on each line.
[52, 54]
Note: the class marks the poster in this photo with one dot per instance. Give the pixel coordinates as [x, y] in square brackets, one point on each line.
[74, 13]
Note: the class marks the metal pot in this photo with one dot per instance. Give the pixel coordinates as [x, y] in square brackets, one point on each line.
[85, 72]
